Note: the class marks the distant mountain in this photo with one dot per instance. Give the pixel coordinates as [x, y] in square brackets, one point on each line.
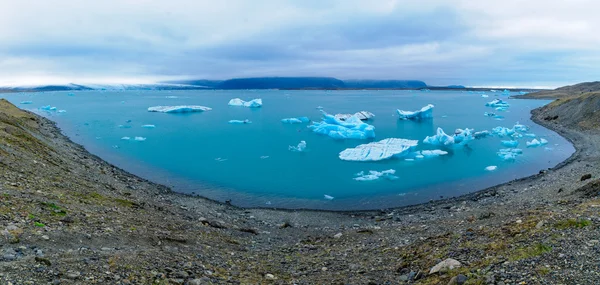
[197, 82]
[566, 91]
[384, 84]
[282, 83]
[80, 87]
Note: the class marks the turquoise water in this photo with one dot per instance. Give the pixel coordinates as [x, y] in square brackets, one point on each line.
[251, 165]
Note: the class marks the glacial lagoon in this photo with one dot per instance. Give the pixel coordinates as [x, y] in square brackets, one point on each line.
[249, 156]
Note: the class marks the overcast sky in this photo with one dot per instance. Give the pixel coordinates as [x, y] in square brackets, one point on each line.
[474, 43]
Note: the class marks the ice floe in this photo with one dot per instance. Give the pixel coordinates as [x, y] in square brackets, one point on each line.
[509, 153]
[432, 153]
[491, 168]
[511, 143]
[375, 151]
[497, 103]
[298, 120]
[178, 109]
[327, 197]
[503, 131]
[240, 122]
[139, 139]
[125, 138]
[481, 134]
[26, 102]
[425, 113]
[520, 128]
[48, 108]
[148, 126]
[376, 175]
[460, 137]
[362, 115]
[536, 143]
[299, 148]
[351, 128]
[255, 103]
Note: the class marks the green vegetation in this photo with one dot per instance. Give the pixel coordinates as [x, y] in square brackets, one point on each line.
[38, 224]
[572, 223]
[529, 252]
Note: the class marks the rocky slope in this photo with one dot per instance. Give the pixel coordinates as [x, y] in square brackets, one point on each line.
[564, 92]
[67, 217]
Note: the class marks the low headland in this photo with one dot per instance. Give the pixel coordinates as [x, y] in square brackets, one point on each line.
[68, 217]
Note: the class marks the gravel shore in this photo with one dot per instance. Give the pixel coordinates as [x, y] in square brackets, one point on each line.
[68, 217]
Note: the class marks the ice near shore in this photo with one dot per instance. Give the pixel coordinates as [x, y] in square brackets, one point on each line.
[179, 109]
[425, 113]
[352, 128]
[497, 103]
[460, 138]
[299, 148]
[255, 103]
[362, 115]
[536, 143]
[376, 175]
[376, 151]
[298, 120]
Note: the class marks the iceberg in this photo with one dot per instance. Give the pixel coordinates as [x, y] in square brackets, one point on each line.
[70, 94]
[124, 126]
[497, 103]
[425, 113]
[351, 128]
[327, 197]
[240, 122]
[139, 139]
[481, 134]
[178, 109]
[491, 168]
[484, 96]
[375, 175]
[299, 120]
[530, 135]
[48, 108]
[62, 111]
[433, 153]
[362, 115]
[380, 150]
[26, 102]
[250, 104]
[536, 143]
[489, 114]
[148, 126]
[125, 138]
[460, 137]
[520, 128]
[511, 143]
[503, 131]
[299, 148]
[509, 153]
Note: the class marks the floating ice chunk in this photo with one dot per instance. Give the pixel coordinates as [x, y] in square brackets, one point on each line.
[460, 137]
[362, 115]
[523, 92]
[299, 148]
[319, 108]
[536, 143]
[380, 150]
[425, 113]
[70, 94]
[125, 138]
[520, 128]
[124, 126]
[481, 134]
[489, 114]
[484, 96]
[26, 102]
[148, 126]
[264, 157]
[409, 159]
[140, 139]
[375, 175]
[298, 120]
[509, 154]
[530, 135]
[497, 103]
[327, 197]
[171, 97]
[491, 168]
[220, 159]
[62, 111]
[351, 128]
[48, 108]
[501, 109]
[251, 104]
[503, 131]
[240, 122]
[178, 109]
[511, 143]
[505, 92]
[433, 153]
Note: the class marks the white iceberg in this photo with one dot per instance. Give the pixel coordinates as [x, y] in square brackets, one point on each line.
[298, 120]
[520, 128]
[484, 96]
[362, 115]
[481, 134]
[375, 175]
[240, 122]
[48, 108]
[327, 197]
[460, 137]
[425, 113]
[178, 109]
[503, 131]
[62, 111]
[380, 150]
[509, 153]
[511, 143]
[125, 138]
[497, 103]
[491, 168]
[139, 139]
[250, 104]
[148, 126]
[351, 128]
[124, 127]
[536, 143]
[433, 153]
[299, 148]
[26, 102]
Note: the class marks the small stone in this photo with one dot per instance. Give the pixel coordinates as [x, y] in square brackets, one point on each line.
[539, 225]
[45, 237]
[181, 274]
[195, 282]
[519, 221]
[9, 257]
[445, 265]
[338, 235]
[323, 268]
[586, 177]
[270, 276]
[73, 275]
[403, 277]
[461, 279]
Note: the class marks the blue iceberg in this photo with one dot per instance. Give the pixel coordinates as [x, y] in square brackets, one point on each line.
[48, 108]
[460, 137]
[240, 122]
[536, 143]
[256, 103]
[497, 103]
[509, 154]
[299, 120]
[299, 148]
[178, 109]
[425, 113]
[26, 102]
[503, 131]
[375, 175]
[380, 150]
[520, 128]
[352, 128]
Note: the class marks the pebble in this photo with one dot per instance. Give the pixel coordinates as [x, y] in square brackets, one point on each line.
[338, 235]
[45, 237]
[270, 276]
[445, 265]
[73, 275]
